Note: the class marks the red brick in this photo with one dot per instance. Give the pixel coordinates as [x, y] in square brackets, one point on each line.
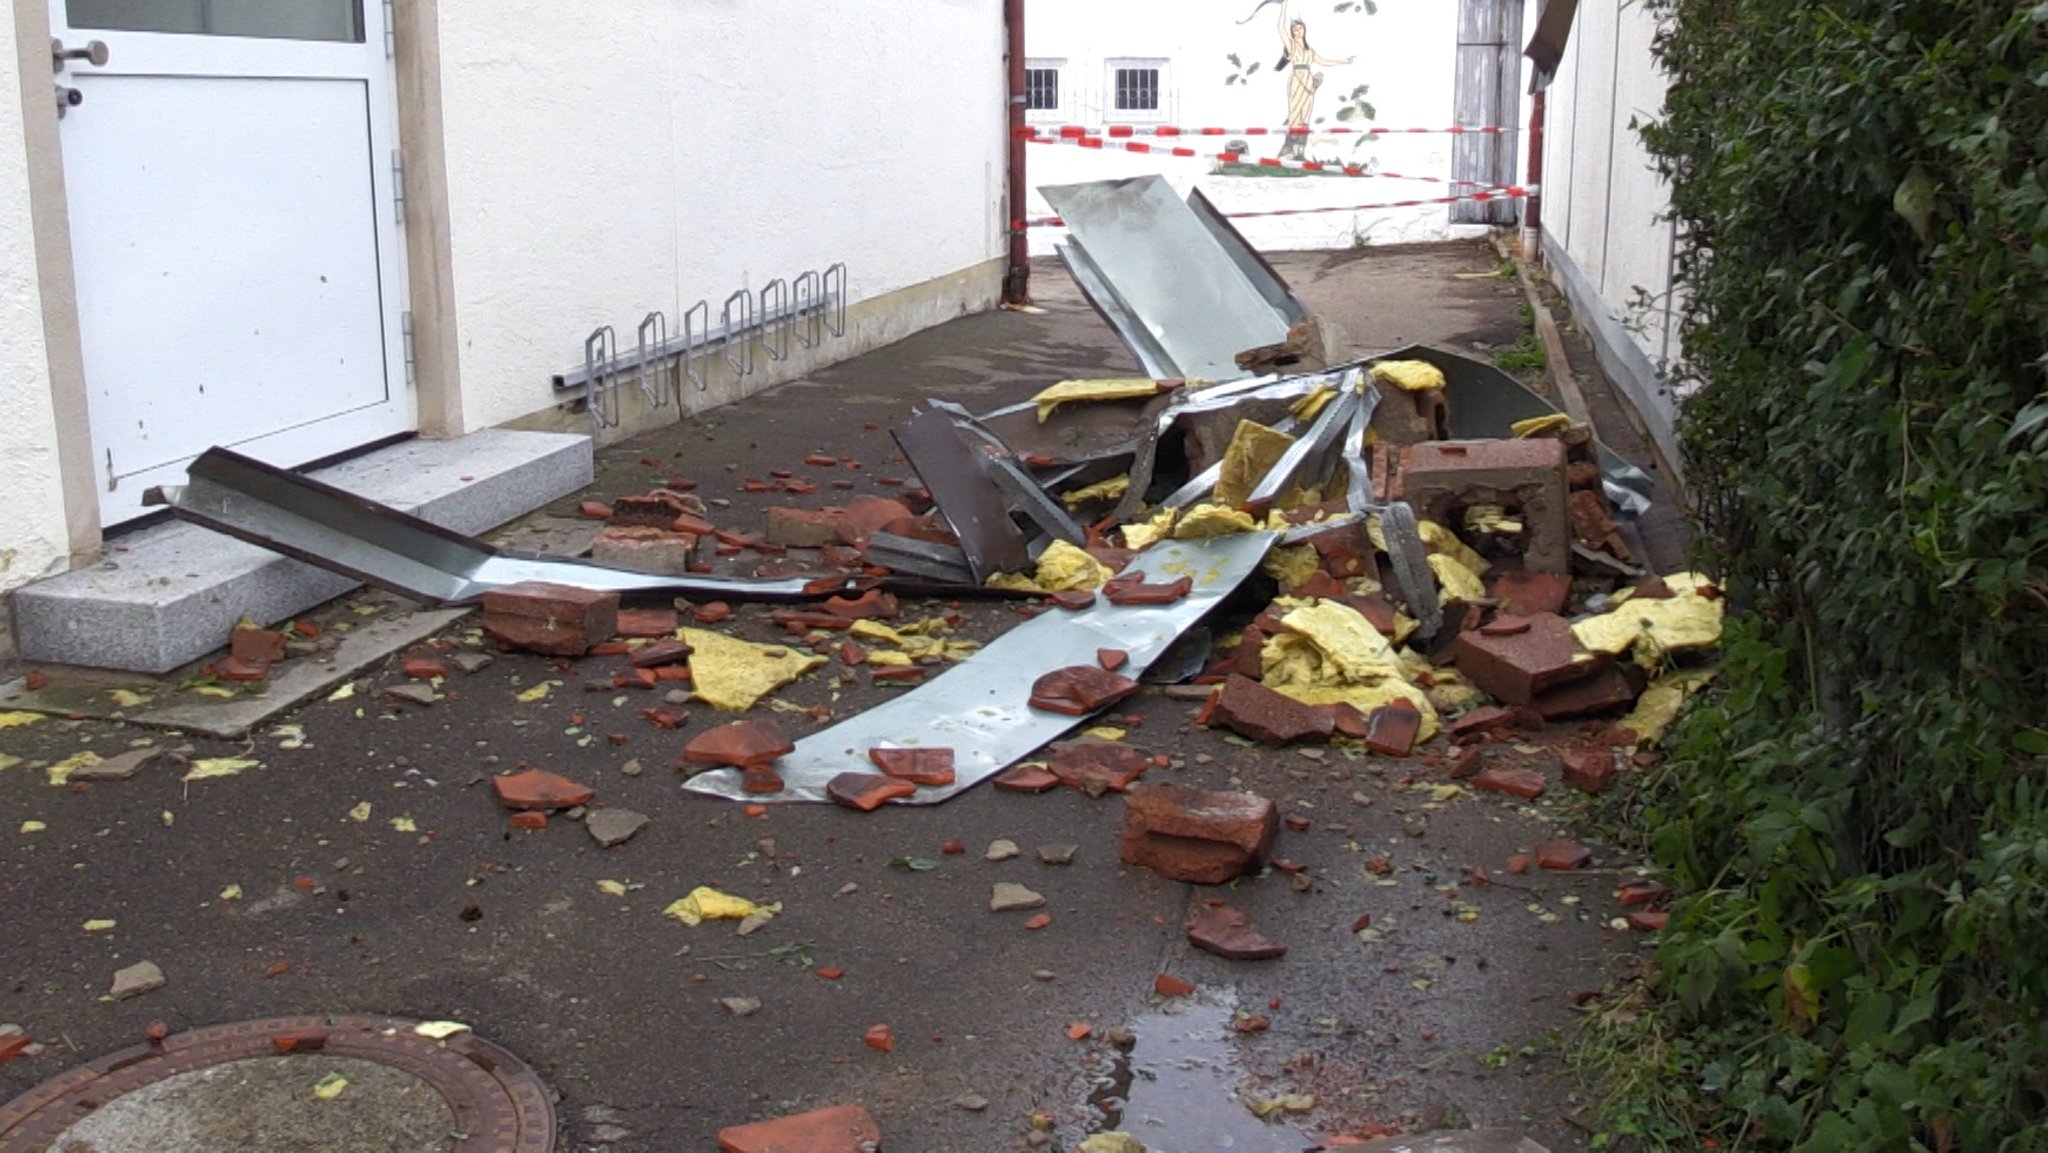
[740, 744]
[650, 623]
[1348, 722]
[1642, 891]
[634, 679]
[666, 718]
[1527, 476]
[1111, 659]
[711, 612]
[1110, 767]
[1392, 729]
[802, 527]
[637, 548]
[1377, 609]
[864, 516]
[658, 654]
[1251, 709]
[1026, 779]
[760, 781]
[1493, 720]
[846, 1129]
[867, 791]
[299, 1041]
[1648, 920]
[13, 1045]
[423, 668]
[1346, 552]
[1467, 763]
[1516, 668]
[536, 790]
[1296, 824]
[232, 668]
[1593, 522]
[852, 655]
[610, 649]
[1079, 690]
[529, 820]
[1562, 855]
[692, 524]
[595, 509]
[873, 604]
[1204, 838]
[1525, 783]
[557, 620]
[1589, 770]
[1611, 690]
[1228, 933]
[654, 510]
[1133, 591]
[900, 675]
[256, 645]
[1074, 600]
[1168, 985]
[1527, 593]
[932, 767]
[800, 621]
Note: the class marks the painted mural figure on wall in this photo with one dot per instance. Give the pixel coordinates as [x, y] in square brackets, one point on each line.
[1298, 60]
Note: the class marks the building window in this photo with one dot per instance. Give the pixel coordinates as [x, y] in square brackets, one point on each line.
[1042, 89]
[1136, 89]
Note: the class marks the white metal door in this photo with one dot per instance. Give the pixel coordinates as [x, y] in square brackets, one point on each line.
[230, 172]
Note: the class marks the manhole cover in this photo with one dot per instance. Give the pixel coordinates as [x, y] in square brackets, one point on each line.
[228, 1087]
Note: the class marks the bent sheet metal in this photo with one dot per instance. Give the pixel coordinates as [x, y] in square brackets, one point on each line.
[978, 709]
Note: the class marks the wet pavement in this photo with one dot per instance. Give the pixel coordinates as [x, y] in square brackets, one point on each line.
[359, 863]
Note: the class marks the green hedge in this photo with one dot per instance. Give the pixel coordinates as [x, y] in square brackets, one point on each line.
[1859, 813]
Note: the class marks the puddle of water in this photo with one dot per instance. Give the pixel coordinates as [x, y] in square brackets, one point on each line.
[1180, 1089]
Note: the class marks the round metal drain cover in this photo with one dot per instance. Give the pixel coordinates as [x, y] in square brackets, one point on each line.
[493, 1102]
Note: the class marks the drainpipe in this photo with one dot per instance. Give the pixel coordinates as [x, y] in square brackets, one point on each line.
[1532, 211]
[1017, 282]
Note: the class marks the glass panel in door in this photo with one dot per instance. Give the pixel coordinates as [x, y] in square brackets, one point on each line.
[335, 20]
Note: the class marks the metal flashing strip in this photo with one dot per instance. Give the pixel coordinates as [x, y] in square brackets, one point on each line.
[1176, 281]
[342, 532]
[978, 708]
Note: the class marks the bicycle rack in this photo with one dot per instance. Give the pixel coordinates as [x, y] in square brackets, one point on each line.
[696, 340]
[776, 321]
[739, 333]
[600, 363]
[810, 331]
[654, 338]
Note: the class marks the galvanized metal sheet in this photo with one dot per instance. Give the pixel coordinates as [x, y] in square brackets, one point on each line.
[1183, 289]
[979, 707]
[342, 532]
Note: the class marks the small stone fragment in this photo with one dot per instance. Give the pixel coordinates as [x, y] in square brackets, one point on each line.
[417, 694]
[971, 1103]
[610, 827]
[741, 1006]
[880, 1038]
[118, 768]
[1058, 854]
[1001, 850]
[1008, 897]
[135, 980]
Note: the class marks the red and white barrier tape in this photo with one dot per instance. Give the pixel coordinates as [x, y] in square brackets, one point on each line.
[1144, 149]
[1504, 192]
[1121, 131]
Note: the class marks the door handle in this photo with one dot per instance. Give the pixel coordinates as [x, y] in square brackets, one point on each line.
[94, 53]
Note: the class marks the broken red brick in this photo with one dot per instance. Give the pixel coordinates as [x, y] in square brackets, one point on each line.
[1074, 600]
[555, 620]
[35, 680]
[852, 655]
[880, 1038]
[1039, 921]
[532, 789]
[691, 524]
[610, 649]
[873, 604]
[529, 821]
[595, 510]
[664, 718]
[658, 654]
[654, 510]
[1296, 824]
[1026, 779]
[740, 744]
[1648, 920]
[1562, 855]
[1504, 626]
[1079, 690]
[864, 516]
[634, 679]
[1392, 729]
[760, 781]
[1228, 933]
[1168, 985]
[1251, 1023]
[1494, 720]
[650, 623]
[1516, 668]
[423, 668]
[1346, 721]
[1610, 690]
[1467, 763]
[1639, 891]
[1132, 590]
[801, 527]
[1527, 784]
[867, 792]
[1345, 553]
[1288, 867]
[13, 1045]
[932, 767]
[845, 1129]
[672, 673]
[1251, 709]
[1197, 836]
[900, 675]
[1111, 659]
[299, 1041]
[1593, 523]
[235, 669]
[254, 645]
[1589, 770]
[1319, 585]
[1528, 594]
[711, 612]
[1093, 766]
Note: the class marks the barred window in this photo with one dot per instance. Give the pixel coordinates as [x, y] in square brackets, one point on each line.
[1137, 90]
[1042, 89]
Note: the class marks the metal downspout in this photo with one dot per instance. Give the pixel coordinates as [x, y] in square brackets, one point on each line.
[1017, 281]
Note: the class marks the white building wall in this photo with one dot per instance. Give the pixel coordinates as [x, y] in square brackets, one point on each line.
[1405, 52]
[1605, 235]
[32, 530]
[678, 151]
